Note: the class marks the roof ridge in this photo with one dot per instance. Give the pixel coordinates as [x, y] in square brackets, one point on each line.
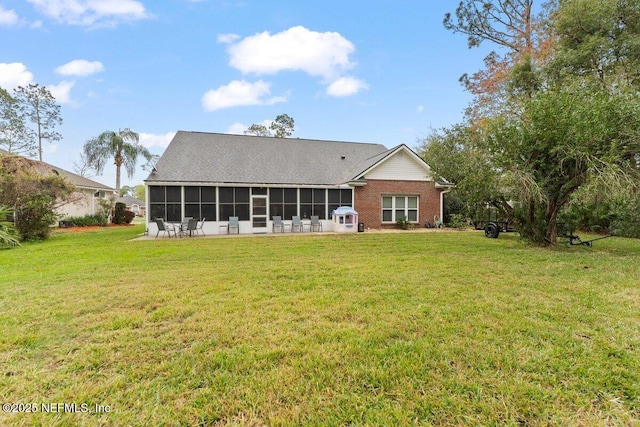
[273, 137]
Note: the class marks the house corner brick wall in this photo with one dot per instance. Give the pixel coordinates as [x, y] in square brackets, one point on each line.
[368, 200]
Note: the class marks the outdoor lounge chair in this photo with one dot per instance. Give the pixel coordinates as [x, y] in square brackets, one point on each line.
[296, 223]
[163, 226]
[316, 225]
[277, 224]
[233, 225]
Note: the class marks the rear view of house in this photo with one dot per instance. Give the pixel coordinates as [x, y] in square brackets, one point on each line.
[218, 176]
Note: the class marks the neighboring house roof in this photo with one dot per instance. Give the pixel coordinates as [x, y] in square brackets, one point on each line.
[245, 159]
[75, 179]
[130, 201]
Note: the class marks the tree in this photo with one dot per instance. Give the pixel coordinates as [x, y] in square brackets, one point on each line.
[553, 125]
[15, 136]
[123, 147]
[125, 191]
[564, 138]
[257, 130]
[82, 167]
[39, 106]
[600, 40]
[522, 37]
[282, 127]
[457, 154]
[34, 192]
[140, 192]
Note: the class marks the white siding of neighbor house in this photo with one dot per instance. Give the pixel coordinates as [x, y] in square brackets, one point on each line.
[82, 203]
[400, 167]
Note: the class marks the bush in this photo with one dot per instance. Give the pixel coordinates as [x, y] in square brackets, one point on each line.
[404, 224]
[457, 221]
[8, 235]
[627, 222]
[35, 217]
[129, 216]
[87, 220]
[119, 213]
[35, 192]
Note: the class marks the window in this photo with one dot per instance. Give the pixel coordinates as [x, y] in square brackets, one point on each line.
[339, 198]
[313, 202]
[399, 207]
[283, 202]
[164, 202]
[234, 201]
[200, 202]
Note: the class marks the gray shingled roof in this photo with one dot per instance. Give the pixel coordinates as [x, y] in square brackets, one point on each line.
[225, 158]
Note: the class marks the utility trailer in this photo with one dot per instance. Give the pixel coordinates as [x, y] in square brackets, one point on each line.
[568, 236]
[493, 222]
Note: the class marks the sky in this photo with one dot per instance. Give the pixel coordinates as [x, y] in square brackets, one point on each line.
[377, 71]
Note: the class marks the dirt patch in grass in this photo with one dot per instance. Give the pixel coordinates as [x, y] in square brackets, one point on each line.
[91, 227]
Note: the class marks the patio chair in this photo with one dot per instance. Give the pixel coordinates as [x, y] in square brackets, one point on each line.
[192, 226]
[167, 228]
[296, 223]
[233, 225]
[316, 225]
[185, 223]
[277, 224]
[199, 228]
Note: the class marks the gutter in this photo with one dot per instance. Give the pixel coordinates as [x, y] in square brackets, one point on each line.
[442, 193]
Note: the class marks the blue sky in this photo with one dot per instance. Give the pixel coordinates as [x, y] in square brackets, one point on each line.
[377, 71]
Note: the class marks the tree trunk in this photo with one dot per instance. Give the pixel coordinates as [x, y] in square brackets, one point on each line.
[551, 228]
[118, 160]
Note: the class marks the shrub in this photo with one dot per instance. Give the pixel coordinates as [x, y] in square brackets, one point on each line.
[627, 222]
[87, 220]
[35, 191]
[129, 216]
[404, 224]
[119, 213]
[8, 235]
[457, 221]
[35, 217]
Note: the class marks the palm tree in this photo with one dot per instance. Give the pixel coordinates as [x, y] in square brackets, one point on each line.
[8, 234]
[124, 147]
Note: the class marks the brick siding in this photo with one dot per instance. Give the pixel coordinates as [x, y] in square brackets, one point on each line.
[368, 200]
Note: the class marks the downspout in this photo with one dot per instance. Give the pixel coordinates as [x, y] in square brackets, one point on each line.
[442, 193]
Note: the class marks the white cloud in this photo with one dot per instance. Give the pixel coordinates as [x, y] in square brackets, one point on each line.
[150, 140]
[239, 93]
[14, 75]
[91, 12]
[8, 17]
[325, 55]
[227, 38]
[80, 67]
[296, 49]
[420, 109]
[237, 129]
[346, 86]
[61, 92]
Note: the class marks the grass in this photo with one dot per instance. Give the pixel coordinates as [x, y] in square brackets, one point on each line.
[367, 329]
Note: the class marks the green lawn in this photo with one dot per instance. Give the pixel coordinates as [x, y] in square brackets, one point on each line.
[443, 328]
